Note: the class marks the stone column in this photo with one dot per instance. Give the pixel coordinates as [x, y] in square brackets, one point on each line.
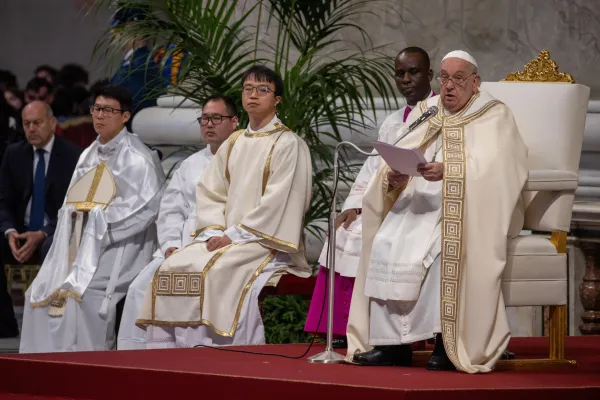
[589, 290]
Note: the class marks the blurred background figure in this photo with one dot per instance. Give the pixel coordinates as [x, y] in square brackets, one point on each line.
[39, 89]
[45, 72]
[139, 73]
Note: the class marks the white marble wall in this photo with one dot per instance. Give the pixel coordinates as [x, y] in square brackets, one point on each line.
[502, 35]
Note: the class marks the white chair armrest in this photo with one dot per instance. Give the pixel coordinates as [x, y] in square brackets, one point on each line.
[551, 180]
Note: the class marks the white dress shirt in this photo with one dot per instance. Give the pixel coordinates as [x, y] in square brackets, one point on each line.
[47, 151]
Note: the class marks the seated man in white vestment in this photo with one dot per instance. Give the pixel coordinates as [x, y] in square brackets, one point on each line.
[105, 235]
[413, 74]
[177, 215]
[251, 202]
[435, 245]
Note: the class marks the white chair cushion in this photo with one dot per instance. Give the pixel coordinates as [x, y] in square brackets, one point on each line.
[535, 274]
[552, 180]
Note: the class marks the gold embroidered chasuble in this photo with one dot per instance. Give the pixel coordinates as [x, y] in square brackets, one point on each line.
[485, 168]
[260, 182]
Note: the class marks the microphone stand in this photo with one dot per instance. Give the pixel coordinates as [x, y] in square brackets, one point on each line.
[329, 356]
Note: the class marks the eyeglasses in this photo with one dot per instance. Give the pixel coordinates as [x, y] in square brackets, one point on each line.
[94, 109]
[457, 80]
[215, 119]
[261, 90]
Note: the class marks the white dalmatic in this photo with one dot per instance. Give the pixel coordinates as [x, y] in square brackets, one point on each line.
[256, 191]
[117, 242]
[176, 222]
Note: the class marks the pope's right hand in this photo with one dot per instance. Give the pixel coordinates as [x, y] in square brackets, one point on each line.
[170, 251]
[397, 179]
[346, 217]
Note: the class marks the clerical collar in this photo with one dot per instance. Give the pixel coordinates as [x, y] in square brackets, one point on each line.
[409, 108]
[109, 148]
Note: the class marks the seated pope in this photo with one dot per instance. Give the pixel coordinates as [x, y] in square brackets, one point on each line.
[177, 214]
[105, 234]
[435, 245]
[250, 206]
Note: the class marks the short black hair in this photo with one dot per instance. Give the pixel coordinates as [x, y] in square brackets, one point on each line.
[118, 93]
[420, 51]
[229, 103]
[264, 74]
[36, 84]
[51, 70]
[71, 74]
[7, 78]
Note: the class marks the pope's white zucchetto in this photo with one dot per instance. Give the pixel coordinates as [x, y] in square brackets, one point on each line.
[463, 55]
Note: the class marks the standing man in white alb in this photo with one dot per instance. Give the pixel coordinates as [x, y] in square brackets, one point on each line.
[413, 77]
[177, 215]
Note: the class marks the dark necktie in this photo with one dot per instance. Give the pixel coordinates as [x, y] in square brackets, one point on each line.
[36, 219]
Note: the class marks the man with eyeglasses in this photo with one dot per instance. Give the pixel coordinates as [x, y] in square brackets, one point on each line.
[251, 202]
[434, 246]
[413, 74]
[177, 215]
[105, 235]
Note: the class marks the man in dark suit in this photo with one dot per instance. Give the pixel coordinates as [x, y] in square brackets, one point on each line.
[34, 179]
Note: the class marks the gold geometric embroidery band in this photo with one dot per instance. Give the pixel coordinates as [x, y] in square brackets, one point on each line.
[453, 197]
[245, 290]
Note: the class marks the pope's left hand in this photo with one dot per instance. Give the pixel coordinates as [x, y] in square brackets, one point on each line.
[217, 243]
[432, 172]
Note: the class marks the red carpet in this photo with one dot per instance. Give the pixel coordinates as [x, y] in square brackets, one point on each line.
[197, 373]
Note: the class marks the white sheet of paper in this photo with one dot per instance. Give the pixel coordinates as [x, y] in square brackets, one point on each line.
[400, 159]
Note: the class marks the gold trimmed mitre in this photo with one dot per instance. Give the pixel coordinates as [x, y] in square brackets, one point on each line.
[96, 187]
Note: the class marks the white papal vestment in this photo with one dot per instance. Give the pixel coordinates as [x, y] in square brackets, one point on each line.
[256, 191]
[434, 252]
[117, 242]
[176, 221]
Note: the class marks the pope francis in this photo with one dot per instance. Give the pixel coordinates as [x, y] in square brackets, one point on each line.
[435, 246]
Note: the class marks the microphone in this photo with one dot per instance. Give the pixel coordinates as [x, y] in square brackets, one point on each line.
[430, 112]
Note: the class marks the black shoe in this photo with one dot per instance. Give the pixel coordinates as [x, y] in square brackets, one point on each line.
[507, 355]
[340, 343]
[439, 360]
[386, 356]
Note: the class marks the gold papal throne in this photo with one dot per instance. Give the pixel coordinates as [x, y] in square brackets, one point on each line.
[550, 111]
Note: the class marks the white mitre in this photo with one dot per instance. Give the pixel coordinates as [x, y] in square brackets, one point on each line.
[463, 55]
